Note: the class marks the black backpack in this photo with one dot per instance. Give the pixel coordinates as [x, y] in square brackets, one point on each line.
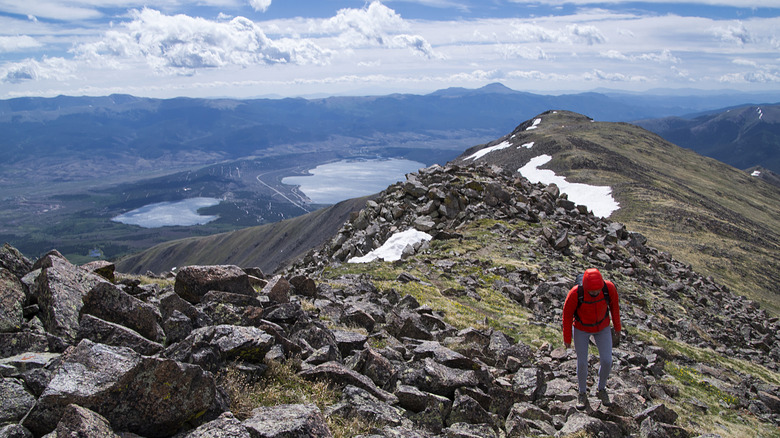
[581, 299]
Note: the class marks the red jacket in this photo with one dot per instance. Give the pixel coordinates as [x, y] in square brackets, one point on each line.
[590, 313]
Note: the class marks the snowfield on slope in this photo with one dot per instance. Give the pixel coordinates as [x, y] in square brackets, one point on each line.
[597, 198]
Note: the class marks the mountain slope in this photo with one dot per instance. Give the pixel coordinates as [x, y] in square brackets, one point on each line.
[719, 219]
[743, 137]
[266, 247]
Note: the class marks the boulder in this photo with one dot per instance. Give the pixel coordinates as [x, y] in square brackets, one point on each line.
[213, 347]
[283, 421]
[358, 403]
[81, 422]
[14, 261]
[111, 304]
[277, 289]
[226, 426]
[12, 297]
[102, 268]
[59, 292]
[343, 376]
[104, 332]
[148, 396]
[193, 282]
[431, 376]
[15, 400]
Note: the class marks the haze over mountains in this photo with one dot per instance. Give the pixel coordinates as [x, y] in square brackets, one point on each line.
[70, 164]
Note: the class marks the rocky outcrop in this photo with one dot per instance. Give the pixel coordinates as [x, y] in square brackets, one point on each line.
[82, 352]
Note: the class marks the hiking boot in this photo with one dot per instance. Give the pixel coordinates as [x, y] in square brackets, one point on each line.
[604, 397]
[582, 401]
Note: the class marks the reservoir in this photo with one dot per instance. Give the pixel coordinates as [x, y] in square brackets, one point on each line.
[334, 182]
[166, 214]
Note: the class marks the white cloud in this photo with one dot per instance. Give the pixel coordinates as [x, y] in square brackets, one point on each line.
[599, 75]
[260, 5]
[513, 51]
[664, 57]
[17, 43]
[736, 33]
[755, 77]
[587, 34]
[181, 44]
[30, 69]
[51, 9]
[376, 25]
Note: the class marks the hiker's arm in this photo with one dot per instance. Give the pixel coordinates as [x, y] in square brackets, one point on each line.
[568, 315]
[614, 306]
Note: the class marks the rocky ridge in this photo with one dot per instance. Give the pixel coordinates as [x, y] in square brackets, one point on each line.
[87, 351]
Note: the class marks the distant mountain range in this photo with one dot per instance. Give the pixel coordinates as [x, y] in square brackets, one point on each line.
[70, 164]
[744, 136]
[712, 216]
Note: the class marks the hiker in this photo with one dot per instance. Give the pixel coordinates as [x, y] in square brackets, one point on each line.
[588, 307]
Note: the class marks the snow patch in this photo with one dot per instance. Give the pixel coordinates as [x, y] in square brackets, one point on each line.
[526, 145]
[756, 173]
[535, 125]
[482, 152]
[760, 113]
[394, 247]
[597, 198]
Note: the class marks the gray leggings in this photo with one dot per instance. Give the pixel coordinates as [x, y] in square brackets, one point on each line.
[604, 344]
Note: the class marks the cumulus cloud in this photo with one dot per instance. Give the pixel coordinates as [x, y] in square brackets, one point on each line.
[513, 51]
[737, 34]
[664, 57]
[599, 75]
[260, 5]
[375, 25]
[572, 33]
[181, 44]
[755, 77]
[17, 43]
[30, 69]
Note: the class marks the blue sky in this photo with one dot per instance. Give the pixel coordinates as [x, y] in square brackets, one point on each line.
[258, 48]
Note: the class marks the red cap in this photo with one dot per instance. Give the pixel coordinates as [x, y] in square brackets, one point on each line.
[592, 280]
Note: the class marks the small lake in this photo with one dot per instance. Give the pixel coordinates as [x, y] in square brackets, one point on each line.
[334, 182]
[166, 214]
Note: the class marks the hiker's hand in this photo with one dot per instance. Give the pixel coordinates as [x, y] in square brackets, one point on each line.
[616, 338]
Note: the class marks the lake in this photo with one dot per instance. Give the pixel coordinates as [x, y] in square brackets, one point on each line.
[334, 182]
[166, 214]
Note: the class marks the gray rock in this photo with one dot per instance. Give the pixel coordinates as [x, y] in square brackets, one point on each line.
[12, 297]
[111, 304]
[650, 428]
[442, 355]
[193, 282]
[15, 401]
[283, 421]
[14, 261]
[659, 413]
[83, 423]
[12, 344]
[585, 424]
[213, 347]
[102, 268]
[438, 379]
[226, 426]
[349, 341]
[343, 376]
[59, 291]
[15, 431]
[465, 409]
[148, 396]
[466, 430]
[104, 332]
[358, 403]
[277, 289]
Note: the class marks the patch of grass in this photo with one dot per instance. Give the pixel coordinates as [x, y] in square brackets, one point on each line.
[280, 384]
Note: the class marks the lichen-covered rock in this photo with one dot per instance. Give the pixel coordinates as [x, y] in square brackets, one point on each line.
[81, 422]
[12, 298]
[111, 304]
[283, 421]
[213, 347]
[148, 396]
[14, 261]
[193, 282]
[15, 400]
